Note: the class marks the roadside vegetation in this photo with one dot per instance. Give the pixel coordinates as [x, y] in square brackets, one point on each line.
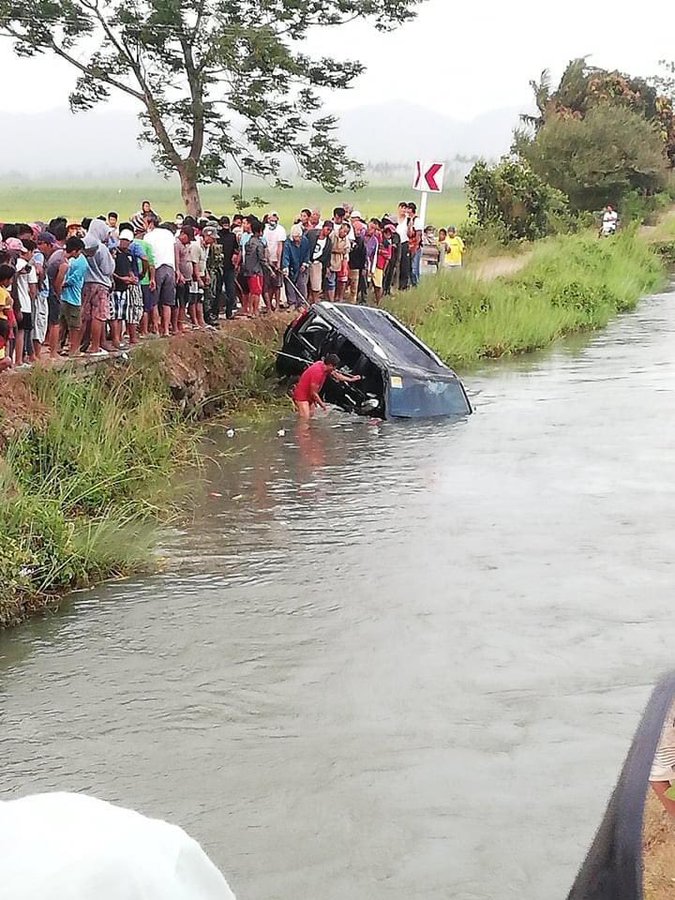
[568, 284]
[600, 137]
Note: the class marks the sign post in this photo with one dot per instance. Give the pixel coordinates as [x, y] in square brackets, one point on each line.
[428, 178]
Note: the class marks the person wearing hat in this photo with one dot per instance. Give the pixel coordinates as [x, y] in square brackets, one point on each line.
[127, 296]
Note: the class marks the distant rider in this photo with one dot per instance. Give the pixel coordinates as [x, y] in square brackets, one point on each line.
[610, 221]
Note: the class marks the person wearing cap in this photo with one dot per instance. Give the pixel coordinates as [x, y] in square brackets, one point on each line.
[126, 304]
[274, 237]
[75, 229]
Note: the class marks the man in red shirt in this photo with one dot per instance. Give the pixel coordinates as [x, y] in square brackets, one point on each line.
[307, 391]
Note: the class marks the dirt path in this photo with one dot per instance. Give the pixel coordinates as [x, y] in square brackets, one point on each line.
[500, 266]
[659, 847]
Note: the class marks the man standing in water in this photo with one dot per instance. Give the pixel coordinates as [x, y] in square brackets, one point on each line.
[308, 390]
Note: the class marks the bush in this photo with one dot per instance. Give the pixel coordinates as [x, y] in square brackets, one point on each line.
[511, 198]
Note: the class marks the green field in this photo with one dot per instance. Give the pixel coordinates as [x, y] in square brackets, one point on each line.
[33, 201]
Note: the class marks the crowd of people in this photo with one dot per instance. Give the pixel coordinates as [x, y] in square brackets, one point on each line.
[100, 285]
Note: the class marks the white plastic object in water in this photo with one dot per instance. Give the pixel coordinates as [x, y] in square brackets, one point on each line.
[74, 847]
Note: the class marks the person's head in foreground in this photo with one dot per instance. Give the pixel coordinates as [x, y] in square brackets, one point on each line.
[332, 362]
[91, 850]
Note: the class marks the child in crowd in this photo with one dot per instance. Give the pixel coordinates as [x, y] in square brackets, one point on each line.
[430, 252]
[442, 246]
[25, 286]
[5, 359]
[6, 302]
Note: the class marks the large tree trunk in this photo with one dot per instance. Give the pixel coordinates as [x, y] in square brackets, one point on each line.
[189, 188]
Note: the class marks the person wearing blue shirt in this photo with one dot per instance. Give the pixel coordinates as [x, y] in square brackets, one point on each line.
[295, 265]
[68, 287]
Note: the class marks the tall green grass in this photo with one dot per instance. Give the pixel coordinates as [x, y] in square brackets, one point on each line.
[572, 283]
[82, 490]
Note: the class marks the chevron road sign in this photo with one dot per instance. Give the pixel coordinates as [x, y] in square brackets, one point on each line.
[428, 177]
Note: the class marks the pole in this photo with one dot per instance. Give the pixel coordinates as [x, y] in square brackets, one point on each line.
[423, 210]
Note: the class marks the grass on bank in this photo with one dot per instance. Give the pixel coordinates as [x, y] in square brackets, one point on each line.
[572, 283]
[79, 490]
[91, 472]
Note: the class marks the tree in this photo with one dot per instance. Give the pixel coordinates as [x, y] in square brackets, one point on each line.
[583, 88]
[542, 98]
[220, 82]
[599, 158]
[512, 198]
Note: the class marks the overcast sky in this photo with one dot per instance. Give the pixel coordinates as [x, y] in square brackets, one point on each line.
[460, 59]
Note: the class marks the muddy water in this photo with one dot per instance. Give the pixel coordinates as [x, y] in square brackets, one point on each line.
[389, 661]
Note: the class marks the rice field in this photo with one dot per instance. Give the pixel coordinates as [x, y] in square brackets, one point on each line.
[32, 201]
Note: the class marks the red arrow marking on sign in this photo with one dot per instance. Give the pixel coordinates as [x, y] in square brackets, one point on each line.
[419, 173]
[430, 177]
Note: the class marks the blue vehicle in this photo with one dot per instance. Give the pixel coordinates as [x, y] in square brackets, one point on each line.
[402, 378]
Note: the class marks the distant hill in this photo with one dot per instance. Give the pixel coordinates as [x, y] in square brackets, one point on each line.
[400, 132]
[100, 144]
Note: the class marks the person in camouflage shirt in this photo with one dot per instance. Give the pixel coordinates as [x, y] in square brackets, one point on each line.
[213, 283]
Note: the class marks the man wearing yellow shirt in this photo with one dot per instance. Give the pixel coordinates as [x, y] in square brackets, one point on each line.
[454, 250]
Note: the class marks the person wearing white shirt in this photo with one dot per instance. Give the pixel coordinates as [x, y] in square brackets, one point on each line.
[274, 236]
[26, 289]
[163, 246]
[610, 221]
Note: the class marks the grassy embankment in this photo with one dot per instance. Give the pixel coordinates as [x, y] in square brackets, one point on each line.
[568, 284]
[89, 455]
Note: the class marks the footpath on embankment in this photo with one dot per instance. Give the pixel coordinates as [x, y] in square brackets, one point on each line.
[90, 453]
